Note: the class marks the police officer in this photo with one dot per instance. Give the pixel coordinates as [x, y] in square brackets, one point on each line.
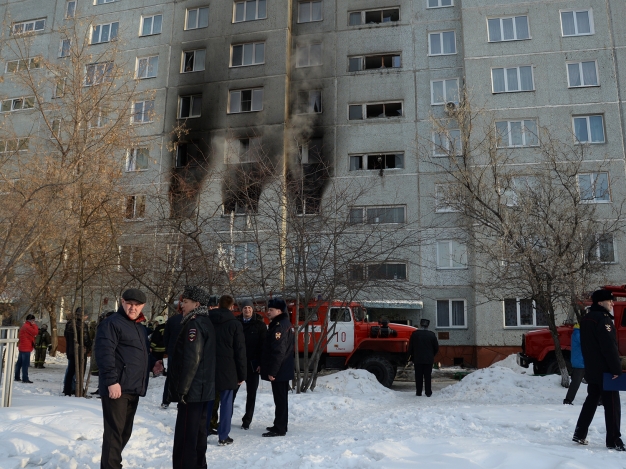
[277, 363]
[423, 346]
[192, 380]
[599, 346]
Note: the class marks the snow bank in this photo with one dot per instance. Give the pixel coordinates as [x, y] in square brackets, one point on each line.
[351, 383]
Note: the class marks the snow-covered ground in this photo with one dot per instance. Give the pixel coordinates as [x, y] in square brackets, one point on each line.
[499, 417]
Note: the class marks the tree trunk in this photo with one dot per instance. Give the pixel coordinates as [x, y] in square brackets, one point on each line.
[557, 351]
[54, 333]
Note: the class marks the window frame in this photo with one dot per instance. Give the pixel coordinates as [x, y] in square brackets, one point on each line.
[183, 57]
[26, 22]
[187, 28]
[524, 133]
[308, 46]
[254, 50]
[363, 13]
[598, 252]
[440, 204]
[519, 79]
[252, 109]
[364, 110]
[231, 158]
[593, 179]
[364, 157]
[62, 49]
[310, 3]
[155, 70]
[21, 144]
[309, 109]
[136, 198]
[227, 253]
[192, 98]
[451, 250]
[363, 58]
[110, 38]
[131, 160]
[439, 5]
[29, 61]
[144, 112]
[514, 18]
[441, 33]
[587, 117]
[245, 6]
[534, 325]
[580, 71]
[23, 99]
[142, 23]
[592, 30]
[67, 15]
[450, 325]
[364, 216]
[445, 90]
[447, 142]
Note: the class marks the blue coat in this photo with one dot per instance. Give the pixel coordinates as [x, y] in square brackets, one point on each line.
[577, 353]
[121, 352]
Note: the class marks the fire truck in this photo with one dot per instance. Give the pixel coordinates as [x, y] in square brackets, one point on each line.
[378, 347]
[538, 346]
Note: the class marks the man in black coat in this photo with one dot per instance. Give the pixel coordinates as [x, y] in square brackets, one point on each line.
[600, 353]
[254, 331]
[124, 365]
[230, 370]
[170, 335]
[423, 346]
[192, 380]
[70, 349]
[277, 363]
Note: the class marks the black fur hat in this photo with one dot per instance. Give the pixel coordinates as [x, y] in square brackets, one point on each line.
[277, 303]
[195, 293]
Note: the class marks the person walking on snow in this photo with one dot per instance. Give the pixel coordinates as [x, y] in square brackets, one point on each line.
[25, 346]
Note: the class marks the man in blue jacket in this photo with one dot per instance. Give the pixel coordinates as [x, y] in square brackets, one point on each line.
[277, 363]
[122, 355]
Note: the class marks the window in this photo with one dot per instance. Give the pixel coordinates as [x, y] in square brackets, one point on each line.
[151, 25]
[12, 145]
[603, 249]
[65, 47]
[245, 101]
[514, 28]
[59, 90]
[309, 11]
[377, 161]
[444, 91]
[248, 54]
[443, 43]
[147, 67]
[446, 197]
[521, 133]
[131, 258]
[17, 104]
[187, 154]
[55, 128]
[577, 23]
[197, 18]
[451, 255]
[447, 143]
[374, 62]
[381, 271]
[309, 102]
[451, 313]
[581, 74]
[143, 112]
[98, 120]
[389, 15]
[377, 215]
[28, 26]
[189, 106]
[594, 187]
[249, 10]
[32, 63]
[308, 55]
[70, 9]
[520, 313]
[509, 80]
[440, 3]
[310, 258]
[193, 61]
[137, 159]
[135, 207]
[374, 111]
[104, 33]
[239, 256]
[243, 150]
[589, 129]
[101, 2]
[311, 151]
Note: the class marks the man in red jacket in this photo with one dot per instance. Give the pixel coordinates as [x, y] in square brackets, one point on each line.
[25, 346]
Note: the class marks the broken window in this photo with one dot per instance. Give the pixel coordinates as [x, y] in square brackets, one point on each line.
[137, 159]
[252, 53]
[377, 215]
[98, 73]
[189, 106]
[147, 67]
[377, 161]
[373, 16]
[308, 204]
[309, 55]
[375, 111]
[243, 150]
[245, 101]
[374, 62]
[193, 61]
[135, 207]
[311, 151]
[249, 10]
[309, 102]
[187, 154]
[104, 32]
[309, 11]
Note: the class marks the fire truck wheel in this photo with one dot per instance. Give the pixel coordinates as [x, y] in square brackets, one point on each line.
[381, 368]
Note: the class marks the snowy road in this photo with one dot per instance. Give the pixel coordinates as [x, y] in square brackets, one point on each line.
[494, 418]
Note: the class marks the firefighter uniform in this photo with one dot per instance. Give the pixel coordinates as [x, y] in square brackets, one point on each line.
[42, 342]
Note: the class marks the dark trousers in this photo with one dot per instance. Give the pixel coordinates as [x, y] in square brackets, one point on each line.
[23, 362]
[577, 376]
[118, 415]
[40, 356]
[280, 390]
[190, 436]
[226, 413]
[252, 384]
[166, 391]
[612, 413]
[69, 375]
[423, 375]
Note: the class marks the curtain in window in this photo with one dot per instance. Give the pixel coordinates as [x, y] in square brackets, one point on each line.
[582, 19]
[584, 186]
[259, 53]
[530, 131]
[526, 312]
[257, 99]
[449, 43]
[511, 79]
[597, 128]
[443, 254]
[355, 163]
[458, 313]
[567, 20]
[589, 73]
[435, 44]
[605, 245]
[247, 54]
[316, 11]
[498, 80]
[516, 134]
[580, 129]
[502, 130]
[526, 78]
[494, 30]
[452, 90]
[315, 101]
[510, 312]
[438, 94]
[601, 189]
[459, 255]
[508, 33]
[574, 74]
[355, 18]
[443, 313]
[521, 24]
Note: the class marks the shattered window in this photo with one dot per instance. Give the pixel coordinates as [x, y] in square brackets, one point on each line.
[375, 111]
[190, 106]
[135, 207]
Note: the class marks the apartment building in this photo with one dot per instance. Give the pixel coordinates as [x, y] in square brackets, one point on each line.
[356, 84]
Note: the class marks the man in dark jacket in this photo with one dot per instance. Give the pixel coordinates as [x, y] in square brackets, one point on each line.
[277, 363]
[70, 349]
[192, 380]
[124, 366]
[42, 342]
[599, 346]
[423, 346]
[230, 370]
[254, 331]
[170, 335]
